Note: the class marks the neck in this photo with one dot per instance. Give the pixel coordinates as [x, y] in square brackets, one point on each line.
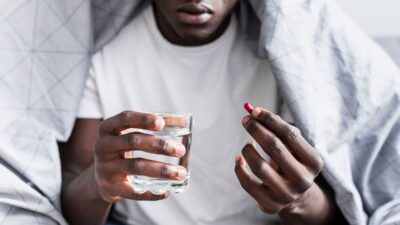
[172, 36]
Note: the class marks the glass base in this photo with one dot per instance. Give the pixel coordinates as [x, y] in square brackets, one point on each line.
[141, 184]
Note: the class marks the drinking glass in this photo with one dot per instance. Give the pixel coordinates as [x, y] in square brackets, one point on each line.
[178, 126]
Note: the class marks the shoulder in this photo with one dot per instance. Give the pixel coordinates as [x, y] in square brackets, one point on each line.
[123, 43]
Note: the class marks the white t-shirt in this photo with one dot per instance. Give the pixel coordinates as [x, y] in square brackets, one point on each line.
[140, 70]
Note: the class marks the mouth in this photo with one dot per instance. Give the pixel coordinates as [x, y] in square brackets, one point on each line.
[194, 14]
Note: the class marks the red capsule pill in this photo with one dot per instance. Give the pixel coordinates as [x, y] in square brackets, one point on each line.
[249, 108]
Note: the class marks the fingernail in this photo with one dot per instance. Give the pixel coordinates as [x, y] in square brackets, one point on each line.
[256, 112]
[237, 160]
[181, 172]
[250, 142]
[159, 123]
[180, 149]
[246, 119]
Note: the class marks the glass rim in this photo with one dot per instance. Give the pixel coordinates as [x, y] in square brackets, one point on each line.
[173, 114]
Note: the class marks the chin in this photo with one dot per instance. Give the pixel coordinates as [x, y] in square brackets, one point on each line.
[196, 36]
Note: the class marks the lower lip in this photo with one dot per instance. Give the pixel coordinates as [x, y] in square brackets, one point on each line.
[193, 19]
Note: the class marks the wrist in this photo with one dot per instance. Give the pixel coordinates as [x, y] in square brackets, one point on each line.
[301, 205]
[313, 207]
[93, 189]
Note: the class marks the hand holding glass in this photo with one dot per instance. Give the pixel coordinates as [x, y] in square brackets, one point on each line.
[178, 128]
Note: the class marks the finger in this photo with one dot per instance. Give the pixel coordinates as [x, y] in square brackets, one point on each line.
[290, 136]
[262, 169]
[255, 189]
[274, 148]
[278, 187]
[142, 142]
[145, 167]
[148, 196]
[252, 186]
[130, 119]
[176, 121]
[274, 165]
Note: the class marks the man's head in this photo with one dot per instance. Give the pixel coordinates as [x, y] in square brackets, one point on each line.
[193, 22]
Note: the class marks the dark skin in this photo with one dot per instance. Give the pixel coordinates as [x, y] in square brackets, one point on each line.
[182, 33]
[290, 184]
[95, 171]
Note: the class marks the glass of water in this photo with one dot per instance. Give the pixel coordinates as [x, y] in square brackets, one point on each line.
[178, 126]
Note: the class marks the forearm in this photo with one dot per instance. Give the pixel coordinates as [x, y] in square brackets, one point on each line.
[318, 208]
[81, 202]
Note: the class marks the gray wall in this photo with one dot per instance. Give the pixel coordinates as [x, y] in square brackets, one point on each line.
[380, 19]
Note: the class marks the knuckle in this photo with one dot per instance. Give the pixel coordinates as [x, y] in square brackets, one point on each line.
[260, 169]
[273, 144]
[277, 119]
[317, 165]
[165, 171]
[292, 197]
[303, 184]
[126, 116]
[144, 118]
[162, 145]
[291, 133]
[137, 165]
[270, 118]
[135, 140]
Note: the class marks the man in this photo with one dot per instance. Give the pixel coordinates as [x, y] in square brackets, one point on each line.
[188, 56]
[327, 70]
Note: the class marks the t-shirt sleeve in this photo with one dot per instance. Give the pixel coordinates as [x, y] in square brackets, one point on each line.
[89, 107]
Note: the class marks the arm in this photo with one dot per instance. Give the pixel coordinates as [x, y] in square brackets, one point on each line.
[291, 185]
[81, 202]
[95, 171]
